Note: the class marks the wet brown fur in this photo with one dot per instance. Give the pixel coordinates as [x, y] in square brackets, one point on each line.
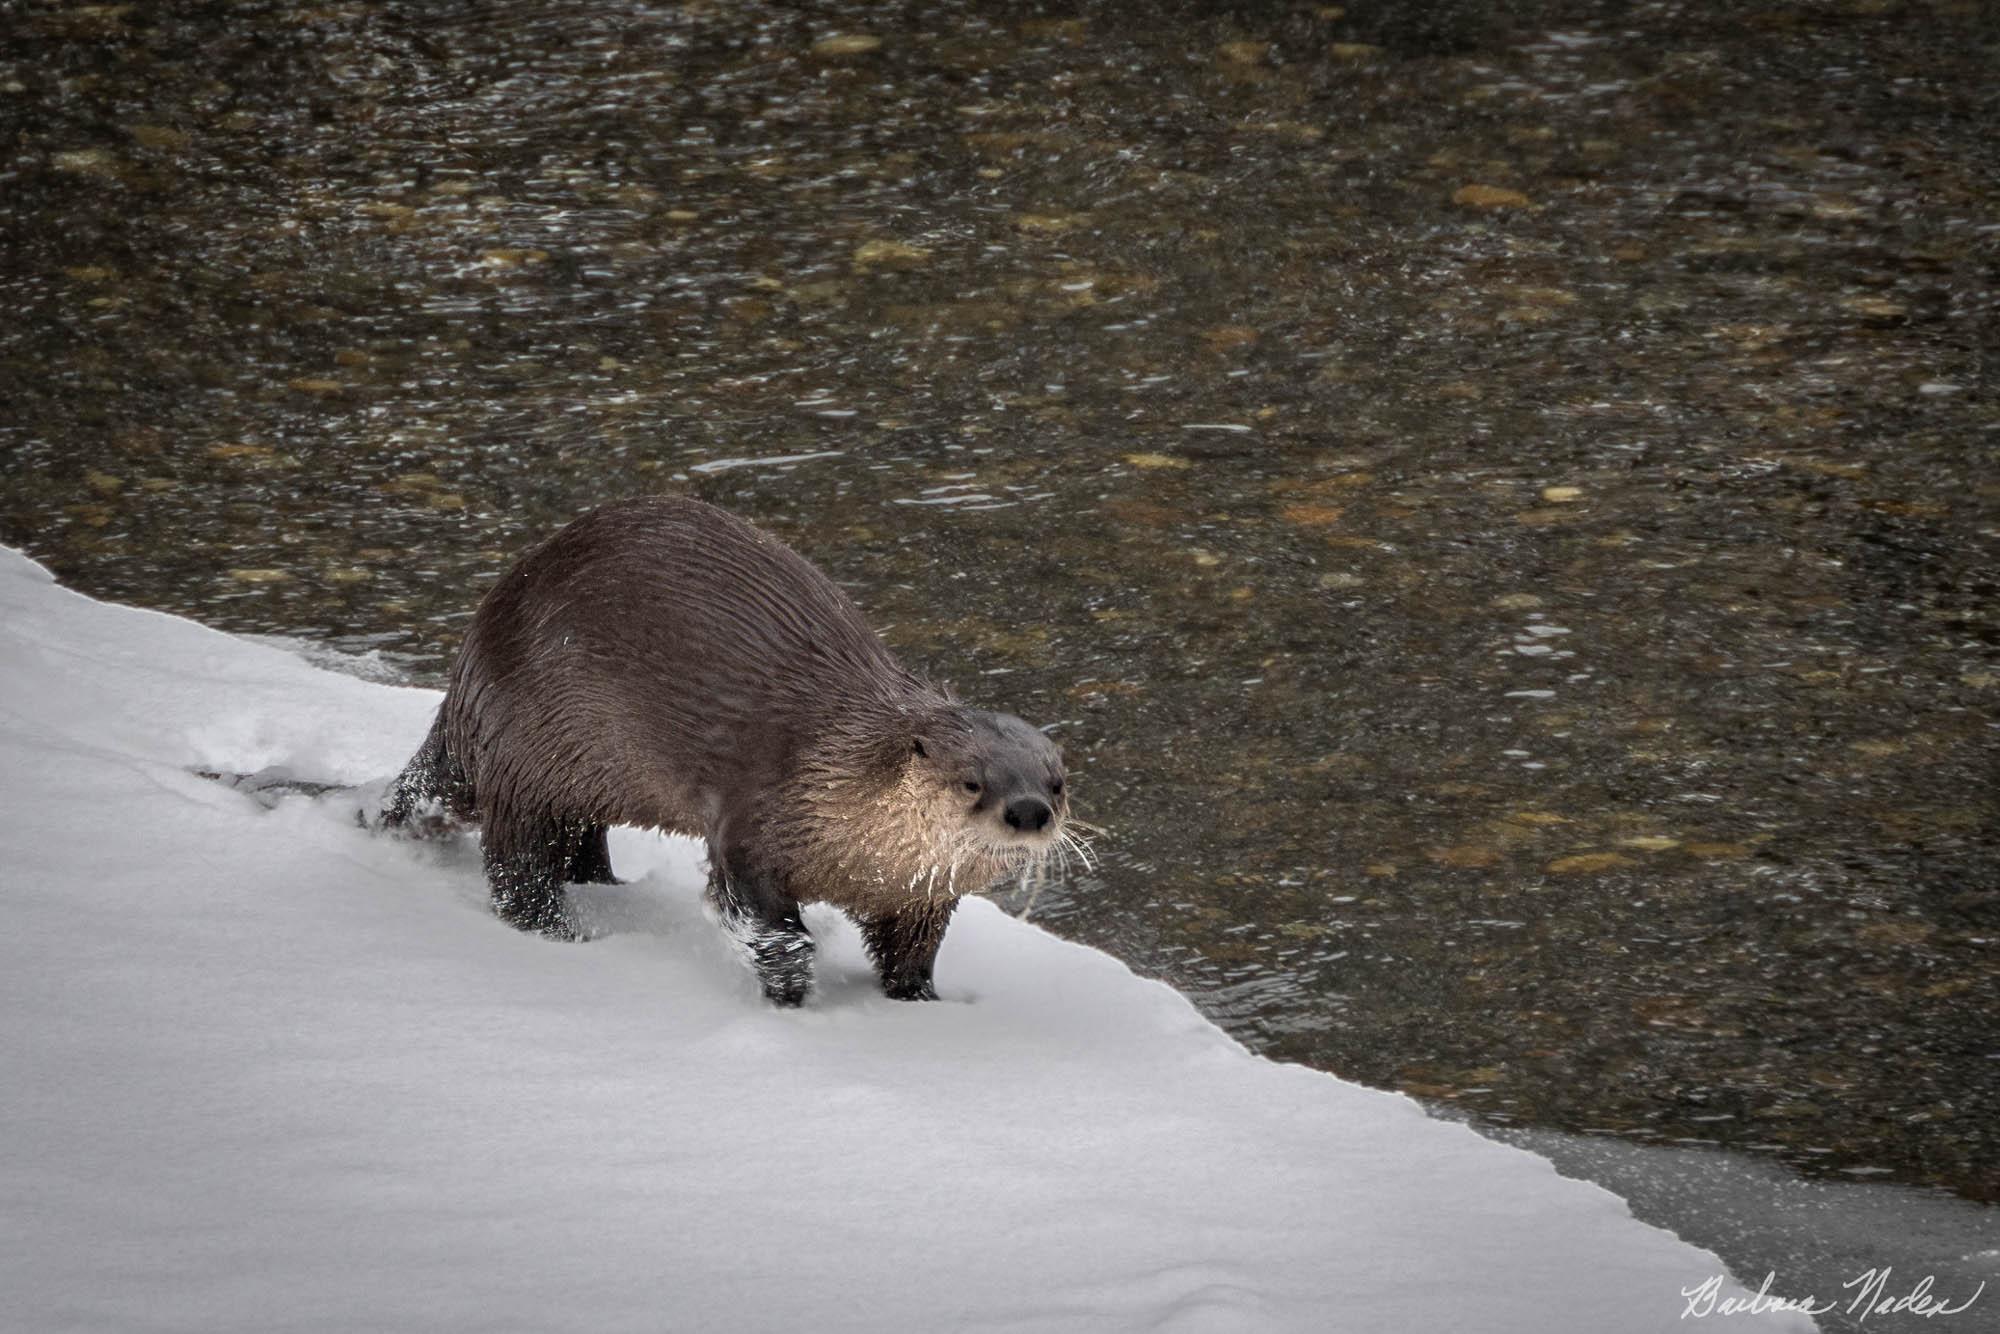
[661, 663]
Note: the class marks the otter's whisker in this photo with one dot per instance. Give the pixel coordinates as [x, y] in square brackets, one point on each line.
[1034, 892]
[1081, 847]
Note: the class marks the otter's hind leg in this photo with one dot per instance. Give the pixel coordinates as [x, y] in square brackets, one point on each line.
[763, 919]
[528, 858]
[904, 946]
[590, 864]
[431, 787]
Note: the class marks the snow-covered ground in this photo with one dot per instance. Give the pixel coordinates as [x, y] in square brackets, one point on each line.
[260, 1070]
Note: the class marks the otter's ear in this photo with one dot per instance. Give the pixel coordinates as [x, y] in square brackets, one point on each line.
[917, 747]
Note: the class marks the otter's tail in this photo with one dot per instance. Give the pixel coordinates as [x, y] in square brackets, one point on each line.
[431, 796]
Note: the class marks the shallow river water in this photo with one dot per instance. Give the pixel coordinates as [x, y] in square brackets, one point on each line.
[1498, 505]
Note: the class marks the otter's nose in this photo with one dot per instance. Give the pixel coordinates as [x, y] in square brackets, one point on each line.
[1028, 814]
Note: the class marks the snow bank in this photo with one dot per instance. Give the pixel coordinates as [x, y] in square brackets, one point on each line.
[264, 1071]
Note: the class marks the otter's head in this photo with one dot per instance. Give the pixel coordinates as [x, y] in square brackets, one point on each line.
[1003, 777]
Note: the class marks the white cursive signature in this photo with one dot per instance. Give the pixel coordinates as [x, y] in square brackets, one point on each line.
[1870, 1298]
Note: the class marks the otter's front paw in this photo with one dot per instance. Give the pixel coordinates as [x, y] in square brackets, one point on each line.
[783, 962]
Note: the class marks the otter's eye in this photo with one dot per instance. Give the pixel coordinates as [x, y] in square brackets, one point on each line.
[971, 786]
[1055, 788]
[917, 748]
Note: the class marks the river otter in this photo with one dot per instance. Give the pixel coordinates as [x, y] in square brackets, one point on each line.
[662, 663]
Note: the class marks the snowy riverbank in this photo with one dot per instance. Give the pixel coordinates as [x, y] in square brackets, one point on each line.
[264, 1070]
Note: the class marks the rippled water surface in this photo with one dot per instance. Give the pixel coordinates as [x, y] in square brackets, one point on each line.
[1502, 510]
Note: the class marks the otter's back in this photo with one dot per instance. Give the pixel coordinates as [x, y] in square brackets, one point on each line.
[655, 659]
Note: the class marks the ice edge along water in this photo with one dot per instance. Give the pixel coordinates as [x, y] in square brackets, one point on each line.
[264, 1070]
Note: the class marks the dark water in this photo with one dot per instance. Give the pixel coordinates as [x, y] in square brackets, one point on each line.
[1501, 503]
